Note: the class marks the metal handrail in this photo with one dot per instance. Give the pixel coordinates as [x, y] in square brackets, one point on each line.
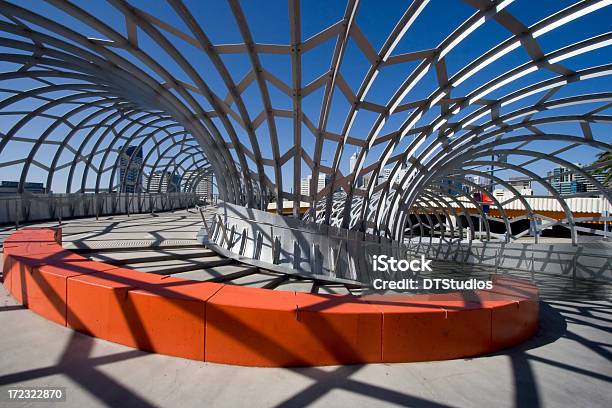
[27, 207]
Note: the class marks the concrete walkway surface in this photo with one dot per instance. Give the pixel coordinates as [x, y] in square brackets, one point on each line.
[568, 363]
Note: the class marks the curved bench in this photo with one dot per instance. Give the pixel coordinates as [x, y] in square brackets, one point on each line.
[259, 327]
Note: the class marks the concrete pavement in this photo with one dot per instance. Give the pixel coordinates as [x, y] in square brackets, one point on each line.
[566, 364]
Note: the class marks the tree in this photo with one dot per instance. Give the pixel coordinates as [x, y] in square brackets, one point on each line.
[606, 168]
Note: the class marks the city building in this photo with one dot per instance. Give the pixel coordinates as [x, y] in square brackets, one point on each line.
[384, 175]
[520, 186]
[202, 186]
[130, 174]
[477, 180]
[353, 162]
[565, 181]
[520, 182]
[164, 182]
[324, 180]
[352, 165]
[12, 187]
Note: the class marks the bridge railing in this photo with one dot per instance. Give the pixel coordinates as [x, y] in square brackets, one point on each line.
[21, 208]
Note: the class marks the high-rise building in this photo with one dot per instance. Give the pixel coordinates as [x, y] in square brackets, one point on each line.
[130, 176]
[324, 180]
[202, 186]
[353, 162]
[366, 180]
[387, 173]
[384, 175]
[352, 166]
[164, 182]
[305, 186]
[565, 181]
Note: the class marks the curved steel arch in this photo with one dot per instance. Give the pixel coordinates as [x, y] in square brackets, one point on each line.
[456, 158]
[121, 67]
[121, 94]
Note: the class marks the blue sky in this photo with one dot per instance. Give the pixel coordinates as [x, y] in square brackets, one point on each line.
[268, 20]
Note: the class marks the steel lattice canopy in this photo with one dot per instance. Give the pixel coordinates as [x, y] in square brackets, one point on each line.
[194, 97]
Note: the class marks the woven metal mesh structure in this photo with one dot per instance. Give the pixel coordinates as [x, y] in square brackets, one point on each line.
[421, 121]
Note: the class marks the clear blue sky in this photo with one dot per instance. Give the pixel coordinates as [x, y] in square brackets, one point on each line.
[269, 23]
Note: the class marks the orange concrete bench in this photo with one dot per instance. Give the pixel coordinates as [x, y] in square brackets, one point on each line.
[260, 327]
